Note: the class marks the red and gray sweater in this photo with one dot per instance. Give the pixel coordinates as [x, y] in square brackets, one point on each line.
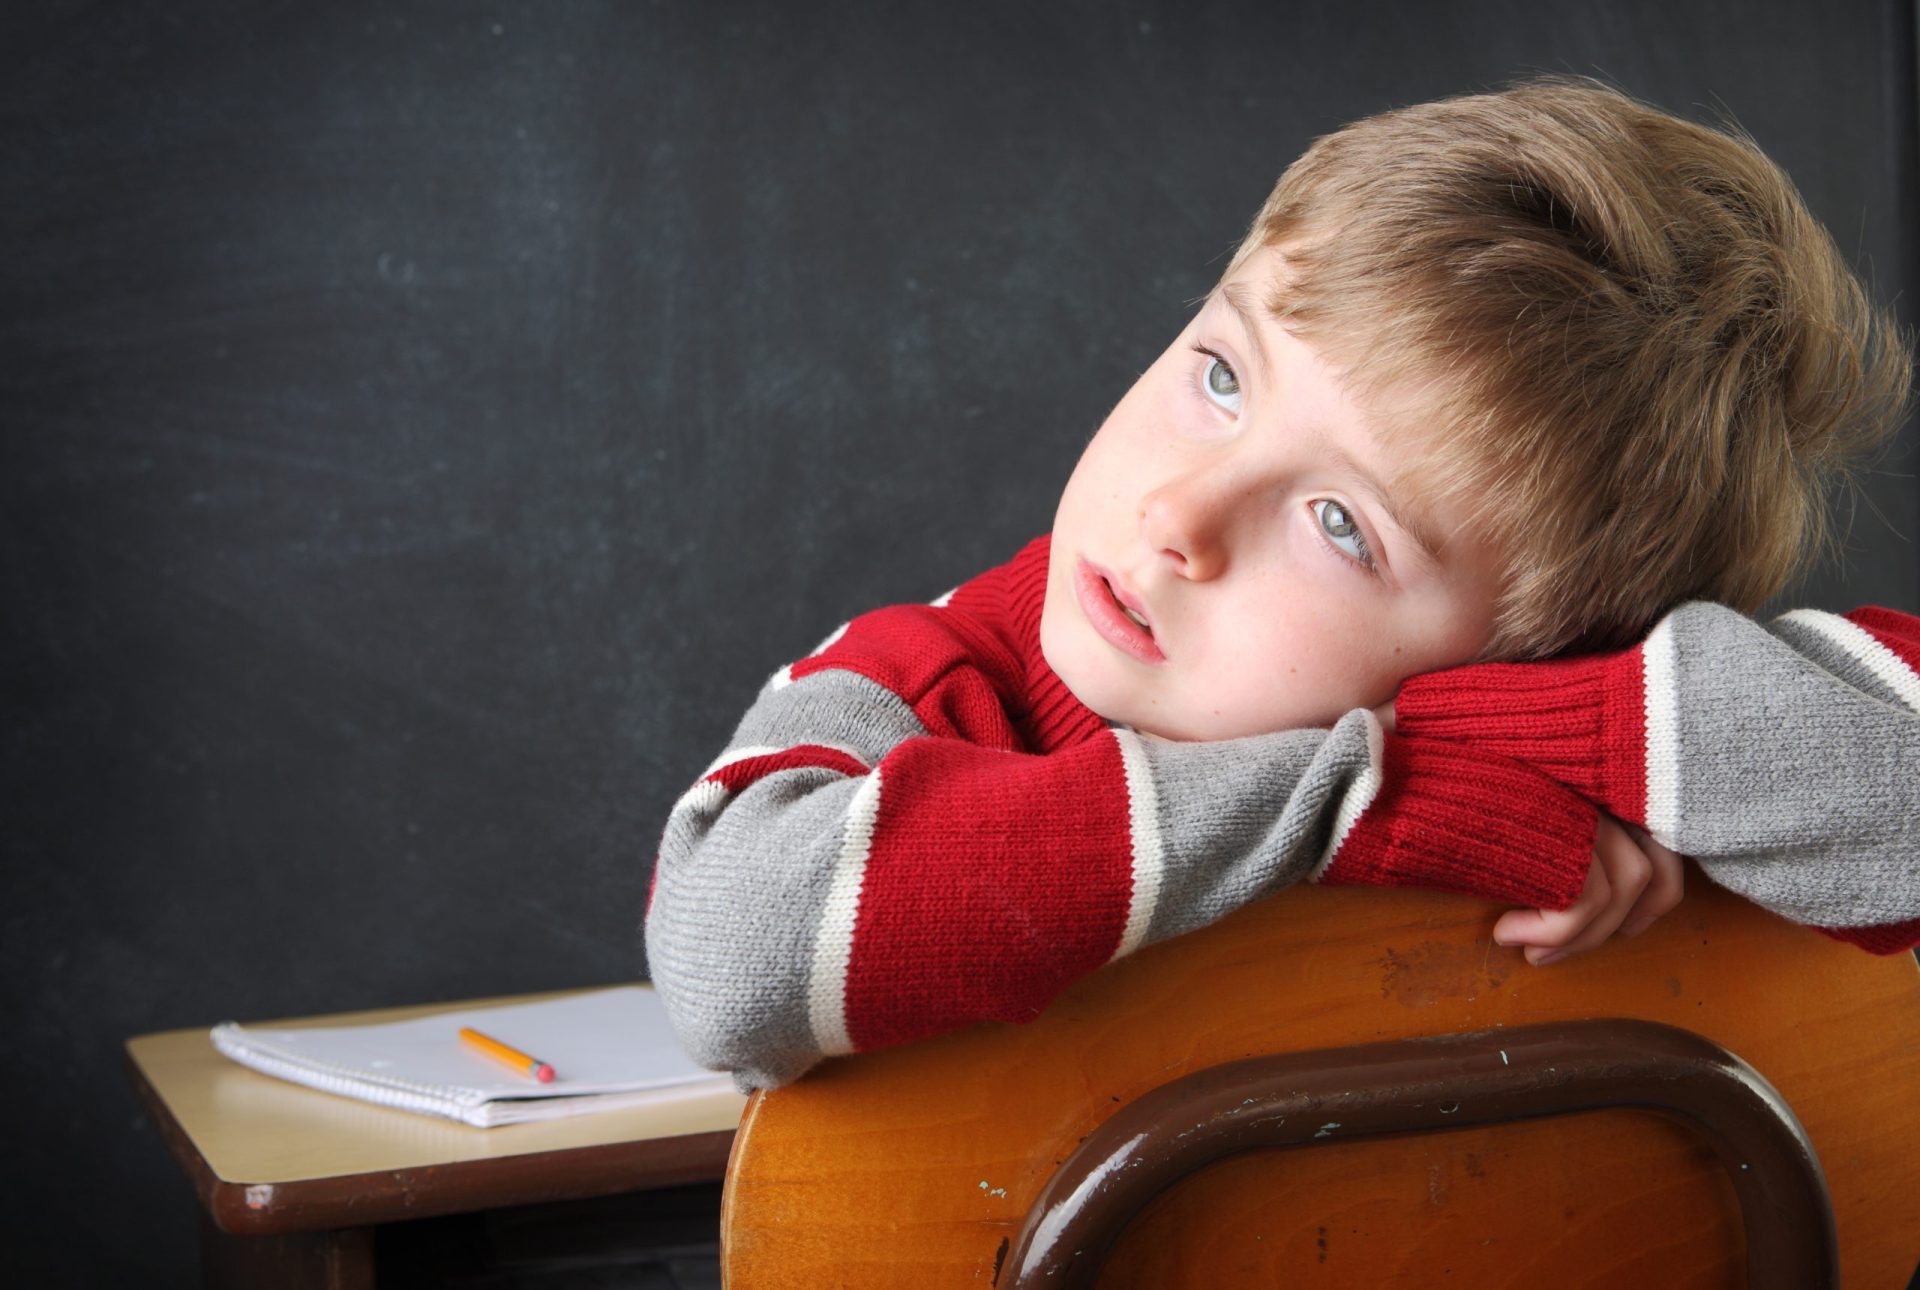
[918, 826]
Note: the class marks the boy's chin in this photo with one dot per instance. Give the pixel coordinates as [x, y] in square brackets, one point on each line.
[1111, 697]
[1129, 710]
[1154, 720]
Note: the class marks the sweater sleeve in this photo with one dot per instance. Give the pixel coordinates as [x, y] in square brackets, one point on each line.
[1784, 757]
[861, 868]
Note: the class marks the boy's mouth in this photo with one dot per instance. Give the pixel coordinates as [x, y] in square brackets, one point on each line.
[1128, 610]
[1115, 615]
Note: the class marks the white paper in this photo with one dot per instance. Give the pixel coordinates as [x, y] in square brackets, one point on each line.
[605, 1042]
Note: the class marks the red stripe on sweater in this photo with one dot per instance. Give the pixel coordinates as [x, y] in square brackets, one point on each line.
[903, 647]
[1898, 632]
[1623, 736]
[942, 669]
[993, 881]
[1581, 721]
[1889, 938]
[1450, 818]
[736, 776]
[973, 670]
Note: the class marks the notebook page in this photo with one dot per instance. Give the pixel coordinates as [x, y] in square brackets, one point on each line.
[604, 1041]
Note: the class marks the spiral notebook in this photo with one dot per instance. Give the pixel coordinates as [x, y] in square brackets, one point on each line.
[609, 1049]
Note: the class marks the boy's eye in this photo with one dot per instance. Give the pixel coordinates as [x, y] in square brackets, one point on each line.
[1222, 381]
[1219, 384]
[1340, 529]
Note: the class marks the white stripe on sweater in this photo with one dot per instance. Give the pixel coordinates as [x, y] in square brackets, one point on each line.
[1663, 734]
[1886, 666]
[733, 755]
[1360, 795]
[704, 799]
[708, 795]
[833, 944]
[1143, 823]
[784, 677]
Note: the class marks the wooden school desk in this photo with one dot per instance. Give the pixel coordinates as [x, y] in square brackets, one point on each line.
[294, 1182]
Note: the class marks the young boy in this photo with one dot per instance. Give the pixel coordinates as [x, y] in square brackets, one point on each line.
[1504, 377]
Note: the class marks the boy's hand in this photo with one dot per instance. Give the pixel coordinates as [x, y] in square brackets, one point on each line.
[1633, 880]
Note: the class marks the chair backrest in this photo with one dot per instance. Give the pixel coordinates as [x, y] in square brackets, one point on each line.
[921, 1165]
[1445, 1083]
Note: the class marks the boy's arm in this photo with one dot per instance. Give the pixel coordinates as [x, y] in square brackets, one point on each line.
[856, 872]
[1784, 757]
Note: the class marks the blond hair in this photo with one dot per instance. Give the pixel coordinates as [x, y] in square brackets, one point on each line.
[1644, 361]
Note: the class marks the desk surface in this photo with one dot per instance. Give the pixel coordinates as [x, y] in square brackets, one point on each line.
[269, 1156]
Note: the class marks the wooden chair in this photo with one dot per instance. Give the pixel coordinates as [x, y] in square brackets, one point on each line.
[966, 1159]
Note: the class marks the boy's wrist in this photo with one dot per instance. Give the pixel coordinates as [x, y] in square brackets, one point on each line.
[1580, 721]
[1451, 818]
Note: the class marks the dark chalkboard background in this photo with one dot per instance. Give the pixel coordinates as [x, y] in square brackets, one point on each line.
[425, 426]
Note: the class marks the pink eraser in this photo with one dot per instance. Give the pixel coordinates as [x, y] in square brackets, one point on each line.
[543, 1073]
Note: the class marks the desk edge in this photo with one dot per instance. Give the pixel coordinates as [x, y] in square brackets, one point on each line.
[385, 1196]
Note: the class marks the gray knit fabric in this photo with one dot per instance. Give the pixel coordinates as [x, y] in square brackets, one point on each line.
[1246, 817]
[741, 889]
[1798, 768]
[1793, 763]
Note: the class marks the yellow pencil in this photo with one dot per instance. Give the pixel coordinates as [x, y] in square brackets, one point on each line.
[531, 1066]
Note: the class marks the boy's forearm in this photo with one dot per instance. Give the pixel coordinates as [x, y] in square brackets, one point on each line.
[1770, 753]
[843, 881]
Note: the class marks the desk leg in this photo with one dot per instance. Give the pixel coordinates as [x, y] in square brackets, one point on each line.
[333, 1260]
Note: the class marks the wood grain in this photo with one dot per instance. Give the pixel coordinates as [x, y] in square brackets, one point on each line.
[913, 1166]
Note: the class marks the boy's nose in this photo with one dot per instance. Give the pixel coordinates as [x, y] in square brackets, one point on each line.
[1184, 521]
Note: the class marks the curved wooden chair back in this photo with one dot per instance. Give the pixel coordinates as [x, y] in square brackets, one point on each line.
[921, 1165]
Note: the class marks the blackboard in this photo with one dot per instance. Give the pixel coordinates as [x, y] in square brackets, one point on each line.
[425, 427]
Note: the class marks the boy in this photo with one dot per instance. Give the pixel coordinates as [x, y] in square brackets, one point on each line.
[1496, 378]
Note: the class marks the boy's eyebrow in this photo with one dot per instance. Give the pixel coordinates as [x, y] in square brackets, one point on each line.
[1426, 547]
[1242, 301]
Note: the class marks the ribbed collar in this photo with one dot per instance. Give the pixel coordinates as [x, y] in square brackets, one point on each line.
[1054, 717]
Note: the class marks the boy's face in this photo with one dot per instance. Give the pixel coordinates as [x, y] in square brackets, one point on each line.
[1238, 501]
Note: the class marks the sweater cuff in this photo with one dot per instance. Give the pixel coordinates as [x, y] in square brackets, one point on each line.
[1580, 721]
[1451, 818]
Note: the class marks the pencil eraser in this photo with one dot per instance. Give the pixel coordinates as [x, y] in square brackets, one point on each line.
[544, 1074]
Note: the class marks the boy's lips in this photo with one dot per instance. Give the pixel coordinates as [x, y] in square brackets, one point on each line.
[1104, 599]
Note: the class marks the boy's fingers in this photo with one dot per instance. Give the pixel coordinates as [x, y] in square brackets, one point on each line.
[1632, 881]
[1519, 927]
[1664, 889]
[1549, 929]
[1616, 880]
[1628, 871]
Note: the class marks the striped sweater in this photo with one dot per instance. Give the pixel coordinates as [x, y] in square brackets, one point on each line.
[918, 826]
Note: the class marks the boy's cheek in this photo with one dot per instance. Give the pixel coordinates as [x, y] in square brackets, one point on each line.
[1290, 684]
[1061, 651]
[1080, 663]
